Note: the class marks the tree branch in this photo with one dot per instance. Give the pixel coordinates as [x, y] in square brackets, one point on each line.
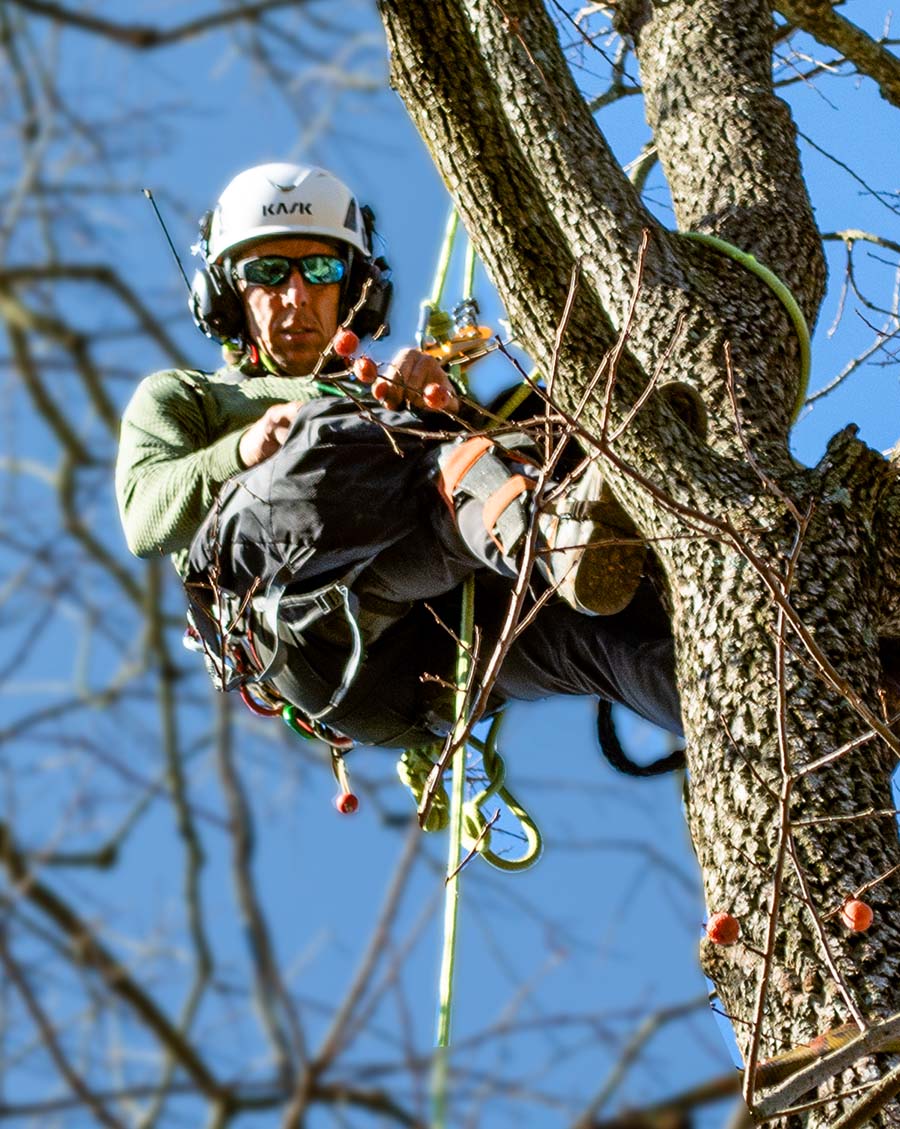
[51, 1042]
[147, 36]
[87, 950]
[819, 19]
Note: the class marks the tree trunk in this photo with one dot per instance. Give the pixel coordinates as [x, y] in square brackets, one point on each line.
[776, 573]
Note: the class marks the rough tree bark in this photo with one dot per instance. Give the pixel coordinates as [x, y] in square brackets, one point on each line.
[780, 577]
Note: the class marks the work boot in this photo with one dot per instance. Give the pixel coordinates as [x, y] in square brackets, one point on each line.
[593, 554]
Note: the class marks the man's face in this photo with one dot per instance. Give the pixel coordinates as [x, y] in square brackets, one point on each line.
[293, 321]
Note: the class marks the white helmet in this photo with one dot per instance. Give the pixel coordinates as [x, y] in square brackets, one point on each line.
[284, 199]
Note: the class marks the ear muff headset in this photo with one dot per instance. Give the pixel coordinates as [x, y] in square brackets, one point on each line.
[214, 302]
[373, 276]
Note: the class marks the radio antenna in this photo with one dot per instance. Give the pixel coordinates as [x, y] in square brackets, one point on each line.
[162, 224]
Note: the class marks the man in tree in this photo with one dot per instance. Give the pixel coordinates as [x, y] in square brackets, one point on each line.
[308, 521]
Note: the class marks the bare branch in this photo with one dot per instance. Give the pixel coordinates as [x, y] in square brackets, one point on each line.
[148, 36]
[820, 20]
[50, 1040]
[89, 951]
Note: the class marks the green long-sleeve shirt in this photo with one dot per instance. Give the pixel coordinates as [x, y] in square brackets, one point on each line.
[179, 445]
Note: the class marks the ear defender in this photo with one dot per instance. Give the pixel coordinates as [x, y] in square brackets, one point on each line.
[214, 304]
[371, 318]
[215, 307]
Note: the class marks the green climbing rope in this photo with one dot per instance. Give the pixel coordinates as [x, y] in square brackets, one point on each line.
[476, 827]
[466, 821]
[780, 291]
[451, 902]
[434, 321]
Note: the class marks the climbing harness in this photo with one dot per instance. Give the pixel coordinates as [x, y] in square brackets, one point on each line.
[781, 292]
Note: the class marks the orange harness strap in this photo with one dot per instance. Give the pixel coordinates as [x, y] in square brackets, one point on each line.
[499, 501]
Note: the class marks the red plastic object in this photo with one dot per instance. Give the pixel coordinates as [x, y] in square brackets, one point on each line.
[256, 707]
[856, 915]
[365, 370]
[381, 387]
[346, 803]
[436, 396]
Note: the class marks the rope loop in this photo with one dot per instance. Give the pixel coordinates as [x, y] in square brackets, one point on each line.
[476, 828]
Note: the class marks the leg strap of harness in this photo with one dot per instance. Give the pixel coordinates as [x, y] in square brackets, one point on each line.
[475, 468]
[287, 616]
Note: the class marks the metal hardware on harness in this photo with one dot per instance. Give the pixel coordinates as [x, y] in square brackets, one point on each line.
[465, 315]
[274, 609]
[311, 731]
[231, 659]
[224, 658]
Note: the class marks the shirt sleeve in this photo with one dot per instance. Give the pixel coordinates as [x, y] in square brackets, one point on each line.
[169, 468]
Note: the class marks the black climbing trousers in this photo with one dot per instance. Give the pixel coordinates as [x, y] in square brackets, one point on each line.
[352, 494]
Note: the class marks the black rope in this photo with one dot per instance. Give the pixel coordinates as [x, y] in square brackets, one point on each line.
[612, 749]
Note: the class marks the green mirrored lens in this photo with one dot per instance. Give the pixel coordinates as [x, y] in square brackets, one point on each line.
[266, 272]
[273, 270]
[321, 270]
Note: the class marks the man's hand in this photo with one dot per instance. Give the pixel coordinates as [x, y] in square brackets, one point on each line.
[416, 380]
[268, 434]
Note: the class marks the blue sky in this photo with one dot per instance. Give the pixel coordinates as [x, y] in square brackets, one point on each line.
[606, 926]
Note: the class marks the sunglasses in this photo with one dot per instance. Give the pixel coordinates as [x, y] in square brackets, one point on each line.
[273, 270]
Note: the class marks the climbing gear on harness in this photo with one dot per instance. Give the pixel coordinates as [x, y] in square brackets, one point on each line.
[222, 631]
[594, 555]
[346, 801]
[781, 292]
[289, 616]
[456, 339]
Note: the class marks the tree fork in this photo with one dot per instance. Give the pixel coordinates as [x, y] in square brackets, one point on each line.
[509, 133]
